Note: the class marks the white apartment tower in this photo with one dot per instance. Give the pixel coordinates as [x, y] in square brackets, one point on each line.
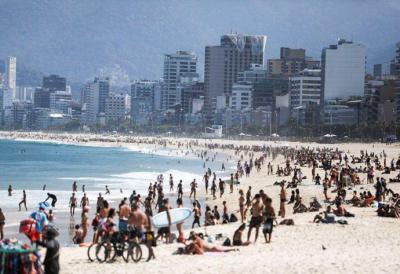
[343, 70]
[11, 74]
[176, 65]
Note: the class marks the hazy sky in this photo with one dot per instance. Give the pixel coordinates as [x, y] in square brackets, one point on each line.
[80, 38]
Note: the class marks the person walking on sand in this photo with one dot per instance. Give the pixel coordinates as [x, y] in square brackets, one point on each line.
[72, 204]
[171, 183]
[221, 185]
[206, 179]
[197, 214]
[193, 186]
[23, 201]
[282, 210]
[84, 201]
[180, 190]
[2, 223]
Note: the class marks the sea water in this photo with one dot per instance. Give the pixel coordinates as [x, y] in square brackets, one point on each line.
[31, 165]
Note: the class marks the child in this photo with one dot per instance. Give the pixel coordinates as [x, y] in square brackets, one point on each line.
[78, 237]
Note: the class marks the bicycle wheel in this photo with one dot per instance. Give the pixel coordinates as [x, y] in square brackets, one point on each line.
[91, 252]
[105, 252]
[135, 252]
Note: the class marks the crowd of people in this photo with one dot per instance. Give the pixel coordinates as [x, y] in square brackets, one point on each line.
[337, 173]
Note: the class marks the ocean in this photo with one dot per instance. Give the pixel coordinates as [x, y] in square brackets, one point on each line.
[30, 165]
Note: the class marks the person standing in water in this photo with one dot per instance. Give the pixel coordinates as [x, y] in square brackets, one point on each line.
[23, 201]
[74, 187]
[84, 201]
[9, 190]
[107, 190]
[72, 204]
[53, 199]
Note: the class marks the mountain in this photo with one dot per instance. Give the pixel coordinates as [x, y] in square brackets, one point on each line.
[127, 39]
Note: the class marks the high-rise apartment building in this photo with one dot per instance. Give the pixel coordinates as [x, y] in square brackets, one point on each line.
[305, 87]
[254, 74]
[343, 70]
[116, 106]
[235, 53]
[147, 88]
[377, 70]
[11, 74]
[60, 101]
[397, 60]
[176, 65]
[94, 95]
[54, 83]
[242, 96]
[291, 62]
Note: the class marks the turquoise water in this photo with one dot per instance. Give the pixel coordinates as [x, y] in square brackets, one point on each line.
[29, 165]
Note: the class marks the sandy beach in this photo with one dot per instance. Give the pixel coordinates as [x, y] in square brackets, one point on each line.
[367, 244]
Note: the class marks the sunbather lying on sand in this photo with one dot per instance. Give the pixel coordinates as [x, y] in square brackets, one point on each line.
[198, 246]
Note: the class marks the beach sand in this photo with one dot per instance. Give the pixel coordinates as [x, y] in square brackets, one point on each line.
[367, 244]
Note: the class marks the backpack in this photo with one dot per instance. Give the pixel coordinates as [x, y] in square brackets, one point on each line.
[233, 218]
[227, 242]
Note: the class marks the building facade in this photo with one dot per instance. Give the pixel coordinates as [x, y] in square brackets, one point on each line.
[54, 83]
[116, 108]
[222, 64]
[305, 87]
[11, 74]
[175, 66]
[291, 62]
[343, 70]
[242, 96]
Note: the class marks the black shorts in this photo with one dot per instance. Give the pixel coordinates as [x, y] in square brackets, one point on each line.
[255, 221]
[163, 230]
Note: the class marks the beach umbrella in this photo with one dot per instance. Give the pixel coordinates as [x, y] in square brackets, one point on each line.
[242, 134]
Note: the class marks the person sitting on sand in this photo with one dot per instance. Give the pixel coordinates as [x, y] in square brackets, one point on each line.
[327, 217]
[237, 236]
[315, 205]
[299, 207]
[368, 200]
[209, 218]
[355, 200]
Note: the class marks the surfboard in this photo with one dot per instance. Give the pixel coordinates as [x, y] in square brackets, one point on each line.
[178, 215]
